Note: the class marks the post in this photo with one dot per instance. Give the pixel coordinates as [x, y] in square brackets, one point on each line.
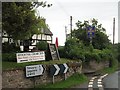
[65, 77]
[113, 31]
[66, 32]
[71, 25]
[53, 79]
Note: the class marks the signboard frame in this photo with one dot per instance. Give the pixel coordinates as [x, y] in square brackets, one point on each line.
[30, 56]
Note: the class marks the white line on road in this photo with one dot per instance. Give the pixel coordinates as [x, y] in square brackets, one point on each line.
[94, 77]
[90, 86]
[99, 80]
[91, 80]
[90, 83]
[100, 85]
[103, 76]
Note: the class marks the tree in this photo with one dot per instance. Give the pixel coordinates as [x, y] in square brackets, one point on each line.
[19, 20]
[100, 39]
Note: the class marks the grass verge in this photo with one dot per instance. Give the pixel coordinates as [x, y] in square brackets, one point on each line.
[75, 79]
[14, 65]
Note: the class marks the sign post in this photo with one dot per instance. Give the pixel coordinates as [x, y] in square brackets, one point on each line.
[54, 52]
[53, 79]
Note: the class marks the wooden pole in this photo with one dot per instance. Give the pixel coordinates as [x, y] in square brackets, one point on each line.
[65, 77]
[66, 32]
[113, 31]
[53, 79]
[71, 25]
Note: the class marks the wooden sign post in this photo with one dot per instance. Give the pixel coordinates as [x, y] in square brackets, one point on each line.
[54, 52]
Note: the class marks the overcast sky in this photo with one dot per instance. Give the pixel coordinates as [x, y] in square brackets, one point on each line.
[58, 16]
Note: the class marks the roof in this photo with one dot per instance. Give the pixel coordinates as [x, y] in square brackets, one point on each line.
[46, 31]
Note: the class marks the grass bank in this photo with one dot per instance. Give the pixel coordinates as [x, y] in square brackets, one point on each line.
[14, 65]
[75, 79]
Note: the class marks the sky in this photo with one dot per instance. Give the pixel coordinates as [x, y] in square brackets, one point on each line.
[58, 15]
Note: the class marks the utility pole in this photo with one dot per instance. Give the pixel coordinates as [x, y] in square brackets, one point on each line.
[113, 31]
[66, 32]
[71, 25]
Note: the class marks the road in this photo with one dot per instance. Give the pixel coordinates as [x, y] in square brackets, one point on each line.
[103, 82]
[111, 81]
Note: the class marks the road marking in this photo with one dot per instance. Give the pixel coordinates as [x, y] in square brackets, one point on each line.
[99, 80]
[90, 86]
[91, 80]
[94, 77]
[100, 85]
[90, 83]
[103, 76]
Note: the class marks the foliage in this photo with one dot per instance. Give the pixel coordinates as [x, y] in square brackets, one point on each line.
[42, 45]
[19, 17]
[92, 56]
[118, 51]
[61, 52]
[74, 49]
[9, 57]
[9, 48]
[100, 39]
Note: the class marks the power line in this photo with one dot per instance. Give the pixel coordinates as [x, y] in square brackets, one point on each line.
[62, 8]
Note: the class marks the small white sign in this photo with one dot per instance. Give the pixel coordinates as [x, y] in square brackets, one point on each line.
[34, 70]
[30, 56]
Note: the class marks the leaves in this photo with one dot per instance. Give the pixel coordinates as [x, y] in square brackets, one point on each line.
[100, 39]
[19, 20]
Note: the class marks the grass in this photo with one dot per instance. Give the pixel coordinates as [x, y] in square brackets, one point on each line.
[75, 79]
[13, 65]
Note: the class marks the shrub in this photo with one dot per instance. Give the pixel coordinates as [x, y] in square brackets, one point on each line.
[9, 57]
[61, 51]
[74, 49]
[10, 48]
[42, 45]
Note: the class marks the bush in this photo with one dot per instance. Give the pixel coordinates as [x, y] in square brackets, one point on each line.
[9, 57]
[10, 48]
[42, 45]
[74, 49]
[61, 51]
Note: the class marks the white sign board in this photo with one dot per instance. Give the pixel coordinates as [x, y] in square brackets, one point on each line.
[30, 56]
[34, 70]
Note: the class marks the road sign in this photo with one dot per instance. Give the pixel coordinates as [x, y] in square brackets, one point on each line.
[66, 68]
[54, 70]
[63, 68]
[58, 69]
[34, 70]
[30, 56]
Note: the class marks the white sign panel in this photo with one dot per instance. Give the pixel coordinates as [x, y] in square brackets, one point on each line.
[30, 56]
[34, 70]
